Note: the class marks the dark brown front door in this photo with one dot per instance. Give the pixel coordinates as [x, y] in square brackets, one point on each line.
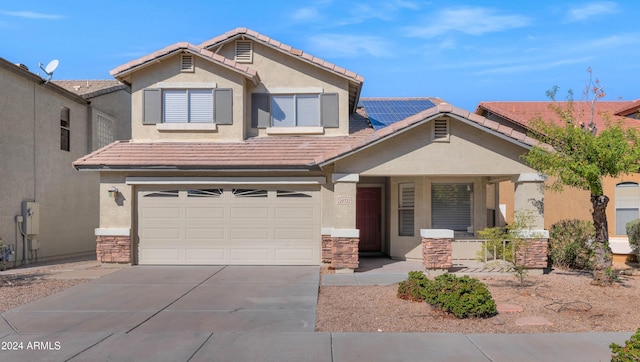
[369, 218]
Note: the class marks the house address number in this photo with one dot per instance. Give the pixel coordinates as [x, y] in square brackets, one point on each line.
[346, 200]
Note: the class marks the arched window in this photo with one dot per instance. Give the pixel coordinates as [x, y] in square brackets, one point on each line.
[627, 203]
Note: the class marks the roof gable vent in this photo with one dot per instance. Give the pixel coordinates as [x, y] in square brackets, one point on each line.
[186, 63]
[244, 51]
[441, 130]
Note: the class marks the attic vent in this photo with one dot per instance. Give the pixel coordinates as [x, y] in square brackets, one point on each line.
[244, 51]
[441, 129]
[186, 63]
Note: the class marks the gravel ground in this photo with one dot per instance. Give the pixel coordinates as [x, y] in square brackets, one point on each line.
[566, 299]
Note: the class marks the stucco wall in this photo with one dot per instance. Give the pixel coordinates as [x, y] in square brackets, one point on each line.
[34, 168]
[168, 71]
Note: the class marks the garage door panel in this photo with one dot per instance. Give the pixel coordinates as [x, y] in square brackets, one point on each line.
[248, 213]
[171, 212]
[161, 255]
[208, 213]
[282, 213]
[159, 233]
[205, 234]
[239, 234]
[206, 255]
[290, 254]
[293, 234]
[249, 254]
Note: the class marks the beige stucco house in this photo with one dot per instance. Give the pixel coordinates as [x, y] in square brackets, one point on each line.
[623, 191]
[245, 150]
[46, 207]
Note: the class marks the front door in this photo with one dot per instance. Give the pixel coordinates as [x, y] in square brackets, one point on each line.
[369, 218]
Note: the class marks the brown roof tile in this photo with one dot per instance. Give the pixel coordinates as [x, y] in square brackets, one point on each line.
[523, 113]
[282, 47]
[90, 88]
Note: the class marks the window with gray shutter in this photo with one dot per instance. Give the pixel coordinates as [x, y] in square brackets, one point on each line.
[330, 115]
[152, 109]
[294, 110]
[627, 202]
[190, 106]
[224, 106]
[451, 206]
[261, 111]
[406, 209]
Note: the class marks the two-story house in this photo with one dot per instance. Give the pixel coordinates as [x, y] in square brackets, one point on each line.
[571, 203]
[245, 150]
[47, 209]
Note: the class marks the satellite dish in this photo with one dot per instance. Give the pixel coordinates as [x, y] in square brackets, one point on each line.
[50, 68]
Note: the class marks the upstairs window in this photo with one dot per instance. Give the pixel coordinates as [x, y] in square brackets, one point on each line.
[105, 131]
[188, 106]
[65, 129]
[295, 110]
[191, 105]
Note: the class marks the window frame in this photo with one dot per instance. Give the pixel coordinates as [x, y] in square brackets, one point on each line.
[188, 99]
[296, 106]
[65, 129]
[408, 209]
[624, 205]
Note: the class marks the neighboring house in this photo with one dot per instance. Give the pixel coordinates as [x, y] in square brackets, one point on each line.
[624, 191]
[245, 150]
[44, 129]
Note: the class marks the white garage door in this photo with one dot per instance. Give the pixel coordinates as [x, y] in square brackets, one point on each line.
[252, 226]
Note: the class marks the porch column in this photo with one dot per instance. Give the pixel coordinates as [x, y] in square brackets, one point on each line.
[344, 236]
[529, 195]
[437, 248]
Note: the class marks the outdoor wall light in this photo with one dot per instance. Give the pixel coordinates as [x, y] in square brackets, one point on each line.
[113, 191]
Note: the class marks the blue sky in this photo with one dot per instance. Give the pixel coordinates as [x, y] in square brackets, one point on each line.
[462, 51]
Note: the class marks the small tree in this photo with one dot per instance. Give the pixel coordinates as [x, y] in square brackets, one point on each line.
[581, 156]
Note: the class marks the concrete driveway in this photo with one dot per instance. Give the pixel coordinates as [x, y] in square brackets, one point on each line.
[150, 305]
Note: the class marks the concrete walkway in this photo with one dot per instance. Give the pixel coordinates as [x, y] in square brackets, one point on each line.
[226, 313]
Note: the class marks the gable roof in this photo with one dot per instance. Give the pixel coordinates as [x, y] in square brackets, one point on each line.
[522, 113]
[183, 47]
[282, 153]
[91, 88]
[630, 110]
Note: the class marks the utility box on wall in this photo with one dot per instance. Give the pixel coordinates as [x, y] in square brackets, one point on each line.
[31, 217]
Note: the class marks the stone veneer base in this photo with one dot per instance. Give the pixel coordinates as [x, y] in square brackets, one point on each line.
[113, 249]
[436, 253]
[344, 253]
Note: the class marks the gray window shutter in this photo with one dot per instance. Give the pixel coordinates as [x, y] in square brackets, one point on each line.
[329, 111]
[223, 99]
[152, 111]
[261, 110]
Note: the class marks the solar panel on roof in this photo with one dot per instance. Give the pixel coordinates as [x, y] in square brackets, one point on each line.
[383, 113]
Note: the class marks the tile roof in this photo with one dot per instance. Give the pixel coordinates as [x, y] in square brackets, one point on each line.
[123, 70]
[90, 88]
[523, 113]
[303, 152]
[629, 110]
[238, 32]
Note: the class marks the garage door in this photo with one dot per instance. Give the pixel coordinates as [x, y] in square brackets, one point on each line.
[208, 226]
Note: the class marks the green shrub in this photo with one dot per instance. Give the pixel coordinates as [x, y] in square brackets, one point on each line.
[629, 352]
[570, 244]
[412, 288]
[633, 232]
[462, 296]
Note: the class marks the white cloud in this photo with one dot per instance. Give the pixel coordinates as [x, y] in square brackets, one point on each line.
[467, 20]
[306, 14]
[32, 15]
[586, 11]
[341, 45]
[534, 66]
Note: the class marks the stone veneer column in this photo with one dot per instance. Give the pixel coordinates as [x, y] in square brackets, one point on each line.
[344, 235]
[534, 254]
[327, 245]
[113, 246]
[437, 248]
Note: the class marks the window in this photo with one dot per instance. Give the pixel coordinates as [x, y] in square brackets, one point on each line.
[65, 129]
[105, 132]
[244, 51]
[188, 106]
[406, 205]
[249, 193]
[627, 203]
[170, 193]
[191, 105]
[294, 110]
[451, 206]
[205, 193]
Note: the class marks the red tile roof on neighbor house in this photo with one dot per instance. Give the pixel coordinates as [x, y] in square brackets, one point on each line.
[302, 152]
[91, 88]
[523, 113]
[148, 59]
[244, 32]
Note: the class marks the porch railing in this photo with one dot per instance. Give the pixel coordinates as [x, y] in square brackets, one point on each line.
[468, 250]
